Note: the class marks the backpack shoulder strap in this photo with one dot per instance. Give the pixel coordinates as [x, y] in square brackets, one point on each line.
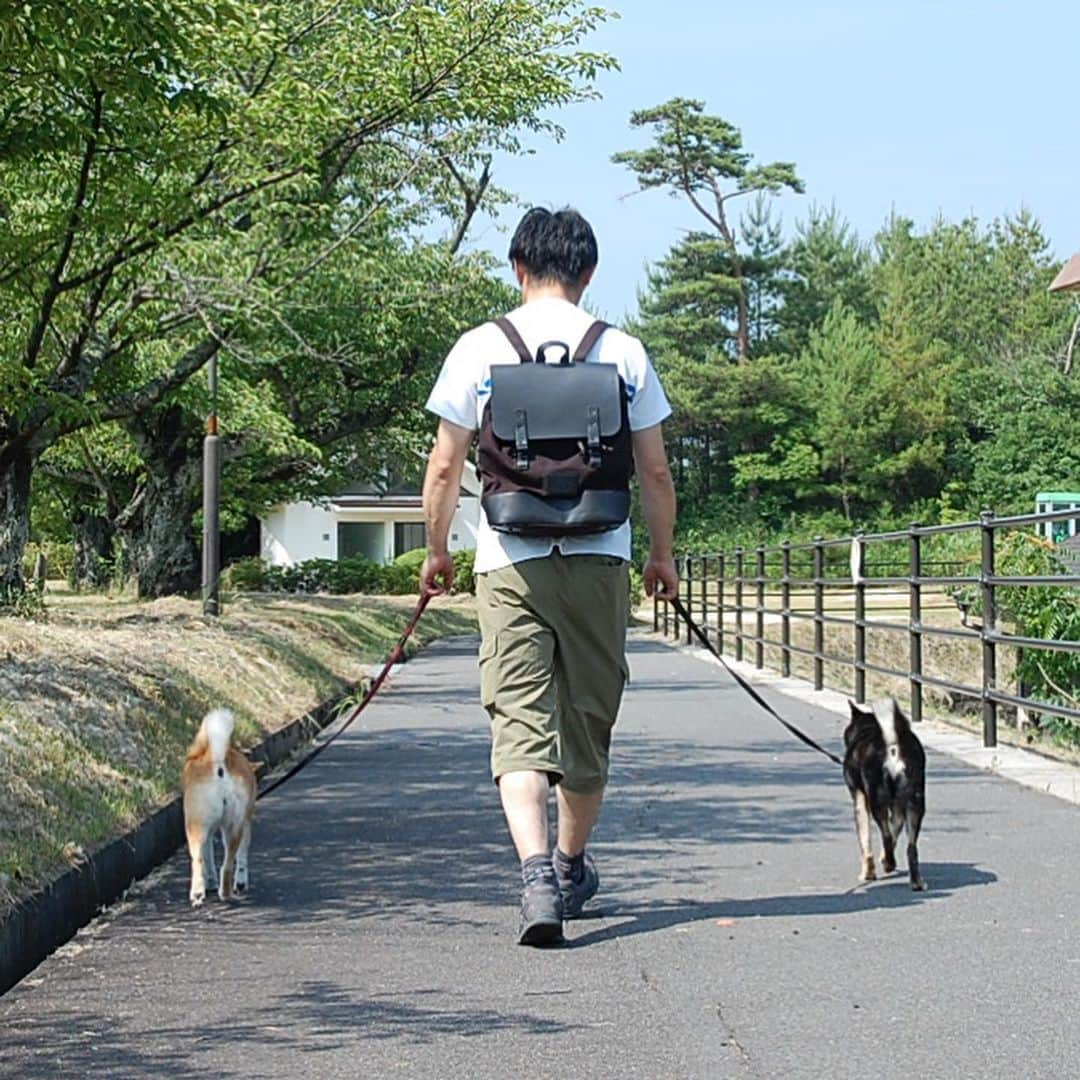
[592, 336]
[512, 335]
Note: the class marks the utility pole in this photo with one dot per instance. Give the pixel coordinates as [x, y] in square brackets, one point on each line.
[211, 545]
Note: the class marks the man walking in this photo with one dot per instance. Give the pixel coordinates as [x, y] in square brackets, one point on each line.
[553, 548]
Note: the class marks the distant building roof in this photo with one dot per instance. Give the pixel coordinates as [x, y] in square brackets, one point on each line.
[1069, 278]
[377, 491]
[377, 499]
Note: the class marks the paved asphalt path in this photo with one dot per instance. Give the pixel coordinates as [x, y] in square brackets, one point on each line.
[729, 939]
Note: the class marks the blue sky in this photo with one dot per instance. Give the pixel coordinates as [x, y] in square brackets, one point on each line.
[951, 108]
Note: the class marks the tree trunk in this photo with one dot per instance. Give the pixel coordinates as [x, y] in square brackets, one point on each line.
[161, 546]
[93, 542]
[742, 334]
[1072, 345]
[16, 464]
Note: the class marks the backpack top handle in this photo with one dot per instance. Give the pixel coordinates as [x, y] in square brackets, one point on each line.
[564, 361]
[592, 335]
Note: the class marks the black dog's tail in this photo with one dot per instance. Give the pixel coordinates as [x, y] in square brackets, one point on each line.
[894, 726]
[884, 716]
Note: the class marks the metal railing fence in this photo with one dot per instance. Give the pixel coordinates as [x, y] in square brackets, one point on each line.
[814, 583]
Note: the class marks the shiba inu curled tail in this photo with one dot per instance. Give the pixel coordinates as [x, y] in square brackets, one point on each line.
[218, 785]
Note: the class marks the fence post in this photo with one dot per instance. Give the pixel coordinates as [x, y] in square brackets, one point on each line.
[738, 602]
[720, 602]
[819, 612]
[858, 577]
[785, 606]
[705, 596]
[759, 623]
[989, 626]
[915, 619]
[689, 597]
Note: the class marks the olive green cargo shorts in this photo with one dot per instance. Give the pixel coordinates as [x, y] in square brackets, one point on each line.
[553, 664]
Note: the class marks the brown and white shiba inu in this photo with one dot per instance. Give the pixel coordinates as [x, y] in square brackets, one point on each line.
[885, 771]
[218, 784]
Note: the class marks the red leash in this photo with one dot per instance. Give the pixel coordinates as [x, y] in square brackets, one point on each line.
[372, 690]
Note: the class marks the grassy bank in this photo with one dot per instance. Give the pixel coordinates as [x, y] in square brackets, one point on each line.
[99, 699]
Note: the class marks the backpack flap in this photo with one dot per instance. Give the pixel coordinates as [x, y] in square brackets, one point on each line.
[556, 401]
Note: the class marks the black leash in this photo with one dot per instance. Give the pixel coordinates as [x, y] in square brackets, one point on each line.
[372, 690]
[680, 610]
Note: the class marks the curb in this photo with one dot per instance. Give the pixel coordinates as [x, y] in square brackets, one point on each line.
[40, 924]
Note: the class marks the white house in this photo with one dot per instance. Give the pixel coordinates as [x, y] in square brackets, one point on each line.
[363, 520]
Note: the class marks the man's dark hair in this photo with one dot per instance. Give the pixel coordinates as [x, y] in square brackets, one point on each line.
[554, 247]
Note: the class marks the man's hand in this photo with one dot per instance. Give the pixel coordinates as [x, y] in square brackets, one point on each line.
[442, 483]
[660, 577]
[436, 568]
[658, 505]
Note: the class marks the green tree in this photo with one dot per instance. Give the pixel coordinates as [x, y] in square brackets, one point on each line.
[875, 419]
[171, 171]
[971, 302]
[690, 300]
[702, 158]
[975, 292]
[727, 415]
[762, 265]
[1023, 411]
[331, 391]
[825, 263]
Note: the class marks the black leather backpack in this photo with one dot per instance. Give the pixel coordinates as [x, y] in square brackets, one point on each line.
[554, 452]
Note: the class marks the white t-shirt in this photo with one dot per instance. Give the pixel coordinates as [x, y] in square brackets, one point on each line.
[462, 390]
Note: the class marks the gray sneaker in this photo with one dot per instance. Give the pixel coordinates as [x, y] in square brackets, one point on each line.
[575, 894]
[541, 913]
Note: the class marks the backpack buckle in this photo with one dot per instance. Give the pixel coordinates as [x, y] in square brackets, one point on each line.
[593, 436]
[521, 438]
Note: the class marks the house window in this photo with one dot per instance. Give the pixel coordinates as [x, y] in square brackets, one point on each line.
[363, 538]
[408, 535]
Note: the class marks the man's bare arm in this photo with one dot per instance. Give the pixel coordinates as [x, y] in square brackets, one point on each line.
[442, 483]
[658, 504]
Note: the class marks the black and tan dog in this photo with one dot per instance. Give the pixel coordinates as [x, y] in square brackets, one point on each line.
[885, 771]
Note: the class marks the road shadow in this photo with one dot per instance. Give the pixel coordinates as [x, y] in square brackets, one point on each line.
[404, 824]
[313, 1018]
[398, 824]
[892, 892]
[325, 1009]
